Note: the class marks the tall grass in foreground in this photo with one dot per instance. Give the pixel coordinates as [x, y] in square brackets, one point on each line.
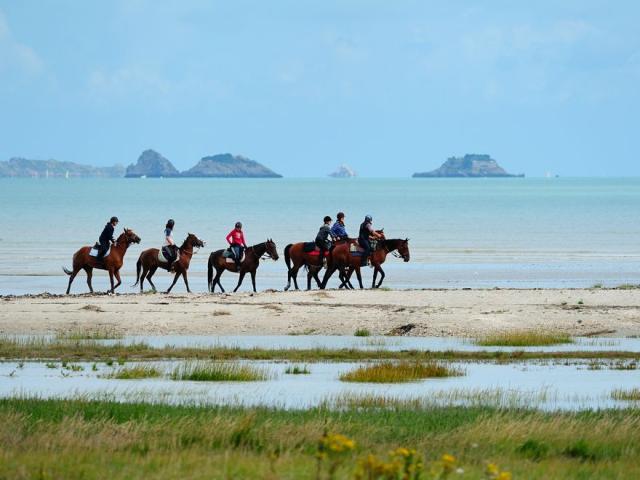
[74, 439]
[297, 370]
[208, 371]
[397, 372]
[135, 372]
[523, 338]
[90, 334]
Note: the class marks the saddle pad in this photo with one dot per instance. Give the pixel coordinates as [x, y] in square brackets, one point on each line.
[355, 248]
[233, 260]
[94, 252]
[316, 253]
[161, 257]
[230, 258]
[309, 247]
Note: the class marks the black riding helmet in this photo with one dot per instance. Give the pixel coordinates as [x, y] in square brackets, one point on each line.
[340, 215]
[114, 220]
[327, 219]
[238, 224]
[170, 223]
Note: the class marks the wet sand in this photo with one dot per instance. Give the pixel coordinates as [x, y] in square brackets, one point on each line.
[601, 312]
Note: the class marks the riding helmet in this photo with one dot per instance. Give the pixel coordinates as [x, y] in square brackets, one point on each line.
[327, 219]
[340, 215]
[368, 218]
[170, 222]
[238, 224]
[114, 219]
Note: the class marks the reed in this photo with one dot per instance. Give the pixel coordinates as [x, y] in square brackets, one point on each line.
[135, 372]
[208, 371]
[524, 338]
[90, 334]
[297, 370]
[362, 332]
[397, 372]
[627, 395]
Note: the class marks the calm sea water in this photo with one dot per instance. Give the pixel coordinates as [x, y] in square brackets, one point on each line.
[463, 232]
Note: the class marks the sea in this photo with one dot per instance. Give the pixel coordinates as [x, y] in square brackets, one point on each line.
[463, 233]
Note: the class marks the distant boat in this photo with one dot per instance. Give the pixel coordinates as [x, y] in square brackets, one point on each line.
[344, 171]
[66, 175]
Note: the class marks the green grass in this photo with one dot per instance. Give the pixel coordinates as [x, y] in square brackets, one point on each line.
[362, 332]
[397, 372]
[628, 395]
[135, 372]
[297, 370]
[90, 334]
[524, 338]
[207, 371]
[76, 439]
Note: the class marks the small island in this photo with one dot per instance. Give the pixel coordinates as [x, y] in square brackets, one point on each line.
[152, 165]
[229, 166]
[471, 165]
[344, 171]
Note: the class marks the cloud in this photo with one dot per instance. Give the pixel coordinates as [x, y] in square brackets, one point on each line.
[15, 55]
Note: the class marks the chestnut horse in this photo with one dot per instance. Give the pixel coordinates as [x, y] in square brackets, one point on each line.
[250, 264]
[111, 263]
[295, 257]
[148, 262]
[380, 255]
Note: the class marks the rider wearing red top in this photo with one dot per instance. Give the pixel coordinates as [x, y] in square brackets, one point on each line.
[236, 242]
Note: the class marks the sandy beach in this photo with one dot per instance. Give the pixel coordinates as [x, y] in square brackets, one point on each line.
[595, 312]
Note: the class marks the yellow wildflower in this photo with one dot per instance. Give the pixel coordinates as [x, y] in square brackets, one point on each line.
[504, 476]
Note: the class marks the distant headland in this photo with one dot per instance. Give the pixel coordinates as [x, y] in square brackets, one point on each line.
[344, 171]
[150, 164]
[471, 165]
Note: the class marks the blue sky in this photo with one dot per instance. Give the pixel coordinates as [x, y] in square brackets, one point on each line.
[388, 87]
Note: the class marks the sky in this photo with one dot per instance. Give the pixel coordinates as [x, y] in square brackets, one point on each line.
[390, 88]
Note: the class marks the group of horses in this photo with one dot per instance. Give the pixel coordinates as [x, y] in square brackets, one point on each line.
[345, 257]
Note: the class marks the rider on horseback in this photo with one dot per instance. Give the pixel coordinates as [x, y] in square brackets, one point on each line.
[106, 237]
[170, 249]
[237, 243]
[323, 238]
[338, 232]
[365, 235]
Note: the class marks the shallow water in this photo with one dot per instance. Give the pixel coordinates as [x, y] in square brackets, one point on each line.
[463, 232]
[537, 385]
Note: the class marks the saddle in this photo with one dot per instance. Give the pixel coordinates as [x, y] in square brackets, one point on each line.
[95, 251]
[356, 250]
[230, 257]
[312, 249]
[166, 255]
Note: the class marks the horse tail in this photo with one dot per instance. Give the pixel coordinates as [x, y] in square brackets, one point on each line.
[210, 271]
[65, 270]
[287, 256]
[138, 267]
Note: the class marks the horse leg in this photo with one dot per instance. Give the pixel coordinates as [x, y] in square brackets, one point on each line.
[309, 274]
[253, 280]
[117, 275]
[89, 271]
[71, 277]
[294, 275]
[359, 275]
[217, 280]
[317, 278]
[382, 275]
[186, 282]
[375, 275]
[327, 276]
[111, 281]
[151, 273]
[175, 279]
[242, 274]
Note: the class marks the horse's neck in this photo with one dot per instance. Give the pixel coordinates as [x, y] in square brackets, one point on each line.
[120, 246]
[259, 249]
[186, 248]
[392, 244]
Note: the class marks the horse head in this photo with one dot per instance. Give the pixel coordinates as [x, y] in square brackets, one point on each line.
[129, 237]
[270, 248]
[403, 249]
[195, 241]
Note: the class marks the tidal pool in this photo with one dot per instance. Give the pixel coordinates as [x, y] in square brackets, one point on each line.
[543, 385]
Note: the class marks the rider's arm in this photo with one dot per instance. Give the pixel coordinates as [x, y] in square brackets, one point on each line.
[244, 243]
[230, 238]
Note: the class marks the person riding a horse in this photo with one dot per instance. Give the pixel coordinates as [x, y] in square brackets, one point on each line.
[106, 237]
[323, 238]
[237, 243]
[365, 235]
[338, 232]
[170, 249]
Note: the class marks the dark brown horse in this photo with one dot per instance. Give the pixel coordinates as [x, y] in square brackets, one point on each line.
[149, 262]
[250, 264]
[295, 257]
[378, 257]
[111, 263]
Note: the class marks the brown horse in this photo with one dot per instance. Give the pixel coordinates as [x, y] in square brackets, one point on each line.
[295, 257]
[250, 264]
[111, 263]
[380, 255]
[149, 262]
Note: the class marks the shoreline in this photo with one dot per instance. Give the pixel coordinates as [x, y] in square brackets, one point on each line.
[432, 312]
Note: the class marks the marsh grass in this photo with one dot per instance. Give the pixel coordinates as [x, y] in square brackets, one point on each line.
[632, 395]
[398, 372]
[208, 371]
[362, 332]
[297, 370]
[524, 338]
[90, 334]
[102, 439]
[135, 372]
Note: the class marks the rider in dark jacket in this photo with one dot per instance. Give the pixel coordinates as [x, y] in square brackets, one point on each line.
[323, 238]
[338, 232]
[106, 237]
[366, 233]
